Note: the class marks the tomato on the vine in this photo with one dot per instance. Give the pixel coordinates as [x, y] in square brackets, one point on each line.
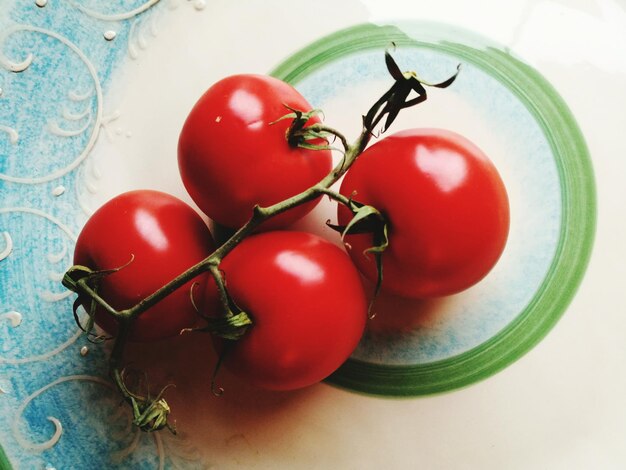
[446, 208]
[233, 152]
[307, 304]
[153, 237]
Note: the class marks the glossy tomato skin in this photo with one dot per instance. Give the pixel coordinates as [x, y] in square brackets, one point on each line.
[231, 157]
[164, 237]
[307, 303]
[446, 206]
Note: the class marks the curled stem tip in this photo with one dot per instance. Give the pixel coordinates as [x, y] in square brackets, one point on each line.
[397, 97]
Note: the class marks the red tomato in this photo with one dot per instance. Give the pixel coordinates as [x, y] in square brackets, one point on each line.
[165, 237]
[307, 304]
[231, 157]
[446, 207]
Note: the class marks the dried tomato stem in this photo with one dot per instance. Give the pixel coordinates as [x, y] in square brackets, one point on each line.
[149, 414]
[115, 361]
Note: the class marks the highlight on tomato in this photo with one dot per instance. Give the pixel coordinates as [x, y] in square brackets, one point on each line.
[233, 152]
[152, 237]
[307, 304]
[445, 206]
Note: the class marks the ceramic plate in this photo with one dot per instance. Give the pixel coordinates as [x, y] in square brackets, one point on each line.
[92, 98]
[517, 118]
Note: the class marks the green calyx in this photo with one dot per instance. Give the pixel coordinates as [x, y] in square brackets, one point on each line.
[230, 327]
[299, 134]
[367, 219]
[85, 282]
[151, 415]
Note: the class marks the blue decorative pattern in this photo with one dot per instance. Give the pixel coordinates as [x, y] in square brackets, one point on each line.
[56, 60]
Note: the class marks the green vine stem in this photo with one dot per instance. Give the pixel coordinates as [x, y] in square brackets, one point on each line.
[151, 414]
[79, 279]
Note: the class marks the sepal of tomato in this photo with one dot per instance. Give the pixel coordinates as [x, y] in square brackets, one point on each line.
[446, 209]
[152, 237]
[233, 151]
[307, 304]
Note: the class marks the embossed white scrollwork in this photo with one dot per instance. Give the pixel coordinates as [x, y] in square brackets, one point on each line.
[58, 427]
[137, 33]
[57, 276]
[45, 356]
[97, 120]
[49, 296]
[29, 210]
[114, 16]
[121, 455]
[135, 37]
[199, 4]
[86, 115]
[55, 258]
[160, 450]
[69, 116]
[14, 317]
[141, 30]
[89, 175]
[121, 412]
[75, 96]
[106, 123]
[58, 190]
[8, 64]
[52, 258]
[55, 129]
[13, 135]
[8, 246]
[109, 35]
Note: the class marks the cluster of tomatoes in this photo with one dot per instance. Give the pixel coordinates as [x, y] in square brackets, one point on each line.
[446, 222]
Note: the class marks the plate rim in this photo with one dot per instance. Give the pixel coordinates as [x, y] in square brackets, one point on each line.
[578, 203]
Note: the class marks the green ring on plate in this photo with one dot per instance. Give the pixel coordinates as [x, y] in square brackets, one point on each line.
[4, 460]
[578, 211]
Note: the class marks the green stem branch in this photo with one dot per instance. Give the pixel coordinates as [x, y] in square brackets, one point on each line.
[259, 216]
